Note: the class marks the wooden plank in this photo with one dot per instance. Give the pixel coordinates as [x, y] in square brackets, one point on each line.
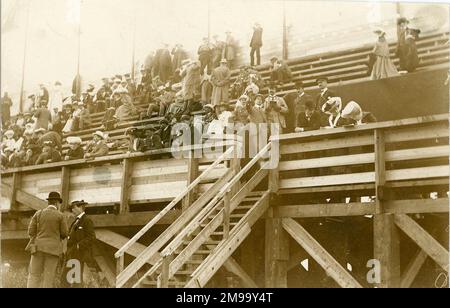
[327, 180]
[418, 153]
[320, 189]
[106, 270]
[192, 174]
[15, 186]
[30, 200]
[326, 144]
[117, 240]
[65, 187]
[387, 250]
[125, 187]
[343, 160]
[413, 269]
[440, 205]
[380, 169]
[132, 219]
[423, 239]
[418, 173]
[326, 210]
[226, 214]
[232, 266]
[413, 133]
[318, 253]
[276, 254]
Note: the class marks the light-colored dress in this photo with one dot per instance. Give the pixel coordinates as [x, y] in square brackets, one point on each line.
[383, 67]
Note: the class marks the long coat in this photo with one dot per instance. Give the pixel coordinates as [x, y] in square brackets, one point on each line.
[220, 79]
[179, 54]
[43, 118]
[192, 80]
[229, 51]
[256, 41]
[81, 240]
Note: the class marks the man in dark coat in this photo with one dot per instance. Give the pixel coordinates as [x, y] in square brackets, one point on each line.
[162, 64]
[296, 105]
[6, 108]
[43, 96]
[47, 229]
[205, 56]
[256, 44]
[80, 244]
[324, 94]
[179, 54]
[309, 118]
[280, 72]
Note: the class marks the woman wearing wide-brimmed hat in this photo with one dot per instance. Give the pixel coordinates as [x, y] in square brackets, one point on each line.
[383, 66]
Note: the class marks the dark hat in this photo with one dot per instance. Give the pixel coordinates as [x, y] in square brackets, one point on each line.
[77, 204]
[402, 20]
[273, 59]
[322, 79]
[185, 117]
[127, 75]
[54, 196]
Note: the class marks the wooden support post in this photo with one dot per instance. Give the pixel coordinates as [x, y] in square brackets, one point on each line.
[127, 172]
[163, 278]
[193, 173]
[120, 265]
[235, 165]
[387, 250]
[380, 169]
[16, 182]
[413, 268]
[226, 214]
[277, 253]
[65, 187]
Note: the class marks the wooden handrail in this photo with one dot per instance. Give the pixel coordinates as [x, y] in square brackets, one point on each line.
[161, 214]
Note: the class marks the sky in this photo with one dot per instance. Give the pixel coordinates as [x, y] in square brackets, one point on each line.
[107, 28]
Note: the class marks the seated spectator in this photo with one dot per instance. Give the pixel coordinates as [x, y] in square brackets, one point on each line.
[354, 114]
[97, 147]
[67, 118]
[43, 116]
[309, 119]
[176, 107]
[165, 131]
[88, 100]
[209, 116]
[20, 120]
[28, 118]
[333, 108]
[276, 109]
[76, 150]
[116, 99]
[109, 121]
[127, 109]
[81, 118]
[9, 142]
[280, 72]
[57, 121]
[42, 136]
[49, 154]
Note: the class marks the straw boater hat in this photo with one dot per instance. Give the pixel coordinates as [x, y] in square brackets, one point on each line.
[100, 134]
[352, 111]
[73, 140]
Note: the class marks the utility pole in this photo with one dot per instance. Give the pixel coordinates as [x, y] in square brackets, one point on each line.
[22, 85]
[133, 56]
[285, 33]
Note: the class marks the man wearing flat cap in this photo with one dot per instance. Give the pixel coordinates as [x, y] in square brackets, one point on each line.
[79, 245]
[324, 94]
[47, 229]
[296, 105]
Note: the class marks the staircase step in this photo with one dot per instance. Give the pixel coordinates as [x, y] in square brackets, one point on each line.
[184, 273]
[194, 261]
[240, 215]
[152, 283]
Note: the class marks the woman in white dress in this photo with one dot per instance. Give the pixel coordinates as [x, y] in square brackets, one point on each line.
[383, 67]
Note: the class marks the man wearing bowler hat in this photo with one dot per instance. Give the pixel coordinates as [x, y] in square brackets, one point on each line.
[47, 229]
[325, 93]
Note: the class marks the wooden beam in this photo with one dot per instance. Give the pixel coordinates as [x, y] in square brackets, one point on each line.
[15, 186]
[125, 188]
[439, 205]
[418, 173]
[326, 210]
[13, 235]
[318, 253]
[413, 269]
[387, 250]
[327, 180]
[192, 174]
[232, 266]
[277, 254]
[106, 270]
[65, 187]
[117, 240]
[341, 160]
[380, 169]
[29, 200]
[132, 219]
[423, 239]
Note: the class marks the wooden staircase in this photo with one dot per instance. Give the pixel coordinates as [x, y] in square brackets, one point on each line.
[192, 249]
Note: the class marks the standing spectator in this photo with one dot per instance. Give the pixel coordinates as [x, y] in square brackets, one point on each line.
[88, 100]
[103, 94]
[276, 109]
[47, 229]
[43, 116]
[80, 242]
[82, 118]
[229, 52]
[206, 89]
[256, 44]
[43, 94]
[383, 66]
[109, 121]
[163, 63]
[221, 83]
[402, 27]
[280, 72]
[217, 51]
[179, 54]
[256, 112]
[97, 147]
[191, 83]
[296, 105]
[411, 58]
[130, 86]
[56, 100]
[28, 105]
[325, 94]
[205, 56]
[6, 108]
[57, 121]
[309, 118]
[76, 150]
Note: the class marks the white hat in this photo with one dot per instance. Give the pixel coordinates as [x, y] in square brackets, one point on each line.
[39, 130]
[73, 140]
[9, 149]
[9, 133]
[352, 111]
[332, 104]
[100, 134]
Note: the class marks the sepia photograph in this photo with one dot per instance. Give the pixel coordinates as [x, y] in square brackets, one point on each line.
[232, 146]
